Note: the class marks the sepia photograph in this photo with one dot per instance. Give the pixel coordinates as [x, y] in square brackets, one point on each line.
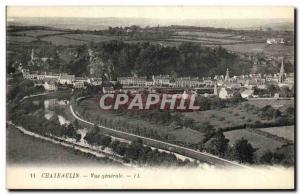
[150, 97]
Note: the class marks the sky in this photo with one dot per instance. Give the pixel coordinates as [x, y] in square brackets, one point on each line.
[160, 12]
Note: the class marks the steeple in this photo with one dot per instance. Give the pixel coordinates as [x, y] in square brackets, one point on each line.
[281, 73]
[227, 75]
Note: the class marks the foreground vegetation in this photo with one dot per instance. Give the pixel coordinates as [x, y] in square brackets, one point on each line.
[164, 126]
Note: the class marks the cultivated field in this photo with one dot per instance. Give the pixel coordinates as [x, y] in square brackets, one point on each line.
[286, 132]
[278, 104]
[261, 142]
[249, 42]
[37, 33]
[60, 40]
[19, 39]
[89, 37]
[184, 135]
[226, 117]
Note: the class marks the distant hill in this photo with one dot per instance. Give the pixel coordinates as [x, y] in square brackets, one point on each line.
[104, 23]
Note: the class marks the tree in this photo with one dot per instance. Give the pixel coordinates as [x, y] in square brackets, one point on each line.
[105, 140]
[243, 151]
[219, 144]
[285, 92]
[268, 112]
[118, 85]
[76, 124]
[206, 127]
[266, 158]
[96, 128]
[272, 89]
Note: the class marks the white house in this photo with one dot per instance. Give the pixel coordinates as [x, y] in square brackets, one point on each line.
[133, 81]
[225, 93]
[66, 79]
[50, 86]
[108, 90]
[78, 84]
[161, 80]
[247, 93]
[95, 81]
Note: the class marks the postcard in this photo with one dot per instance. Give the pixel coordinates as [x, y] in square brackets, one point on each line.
[151, 98]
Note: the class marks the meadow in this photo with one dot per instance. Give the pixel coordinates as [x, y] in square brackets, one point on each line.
[262, 143]
[286, 132]
[182, 135]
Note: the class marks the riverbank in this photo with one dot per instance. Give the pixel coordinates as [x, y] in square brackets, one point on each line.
[27, 149]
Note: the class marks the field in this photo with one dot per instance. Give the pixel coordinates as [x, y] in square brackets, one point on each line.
[226, 117]
[204, 34]
[185, 135]
[19, 39]
[89, 37]
[261, 142]
[60, 40]
[247, 42]
[278, 104]
[37, 33]
[286, 132]
[56, 37]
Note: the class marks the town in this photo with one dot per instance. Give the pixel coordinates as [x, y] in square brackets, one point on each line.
[223, 86]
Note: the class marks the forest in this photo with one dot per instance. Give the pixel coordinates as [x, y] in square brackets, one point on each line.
[128, 58]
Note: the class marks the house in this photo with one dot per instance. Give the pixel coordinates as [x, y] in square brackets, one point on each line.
[38, 83]
[51, 76]
[41, 76]
[161, 80]
[271, 41]
[187, 82]
[225, 93]
[219, 77]
[149, 83]
[66, 79]
[50, 86]
[133, 81]
[95, 81]
[247, 93]
[108, 90]
[234, 86]
[78, 84]
[250, 83]
[81, 79]
[27, 75]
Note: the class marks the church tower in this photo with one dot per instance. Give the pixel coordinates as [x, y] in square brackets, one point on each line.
[281, 73]
[227, 75]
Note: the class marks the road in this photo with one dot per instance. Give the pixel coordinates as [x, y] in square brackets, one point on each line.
[201, 156]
